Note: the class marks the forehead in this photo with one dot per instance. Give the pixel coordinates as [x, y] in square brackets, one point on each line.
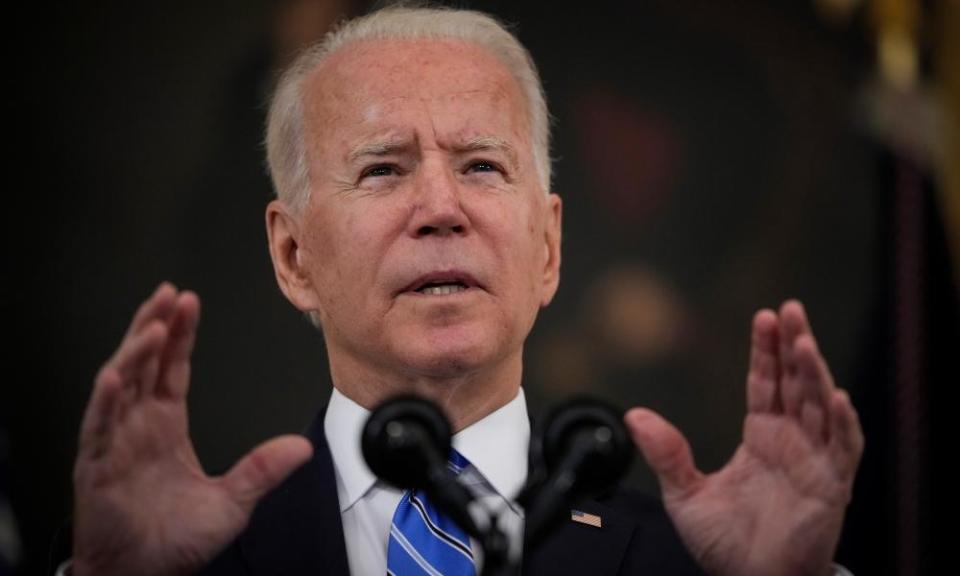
[375, 84]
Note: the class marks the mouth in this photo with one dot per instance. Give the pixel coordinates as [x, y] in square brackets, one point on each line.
[442, 284]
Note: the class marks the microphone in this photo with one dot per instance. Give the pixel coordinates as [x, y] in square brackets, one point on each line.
[582, 450]
[406, 441]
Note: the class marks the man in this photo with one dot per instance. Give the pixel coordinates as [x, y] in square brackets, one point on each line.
[414, 224]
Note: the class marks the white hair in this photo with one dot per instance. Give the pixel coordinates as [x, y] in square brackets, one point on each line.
[286, 147]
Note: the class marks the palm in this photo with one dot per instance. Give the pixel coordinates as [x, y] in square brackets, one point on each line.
[143, 502]
[777, 506]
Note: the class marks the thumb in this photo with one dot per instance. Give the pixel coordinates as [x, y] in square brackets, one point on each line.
[265, 467]
[665, 450]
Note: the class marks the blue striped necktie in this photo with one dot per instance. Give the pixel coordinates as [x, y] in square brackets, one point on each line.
[422, 541]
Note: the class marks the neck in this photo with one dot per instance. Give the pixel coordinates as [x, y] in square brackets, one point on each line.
[464, 397]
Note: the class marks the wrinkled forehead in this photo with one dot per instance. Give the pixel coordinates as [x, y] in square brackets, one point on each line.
[377, 84]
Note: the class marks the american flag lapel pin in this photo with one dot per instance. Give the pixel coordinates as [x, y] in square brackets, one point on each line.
[585, 518]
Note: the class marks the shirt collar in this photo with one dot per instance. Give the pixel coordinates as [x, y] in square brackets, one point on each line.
[496, 445]
[342, 425]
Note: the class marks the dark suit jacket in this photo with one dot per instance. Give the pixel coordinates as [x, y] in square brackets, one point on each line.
[296, 530]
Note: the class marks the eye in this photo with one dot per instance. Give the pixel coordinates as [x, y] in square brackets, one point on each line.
[380, 170]
[483, 166]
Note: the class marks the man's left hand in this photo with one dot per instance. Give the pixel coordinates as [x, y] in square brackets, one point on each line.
[777, 506]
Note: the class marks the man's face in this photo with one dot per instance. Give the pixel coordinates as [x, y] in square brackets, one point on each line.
[428, 244]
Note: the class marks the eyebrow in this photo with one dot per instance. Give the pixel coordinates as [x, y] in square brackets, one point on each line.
[489, 143]
[378, 148]
[387, 147]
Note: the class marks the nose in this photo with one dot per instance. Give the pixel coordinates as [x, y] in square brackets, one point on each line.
[436, 208]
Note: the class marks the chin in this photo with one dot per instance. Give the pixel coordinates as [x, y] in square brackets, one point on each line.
[450, 355]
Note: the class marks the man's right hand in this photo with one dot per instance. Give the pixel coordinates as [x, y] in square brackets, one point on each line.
[143, 504]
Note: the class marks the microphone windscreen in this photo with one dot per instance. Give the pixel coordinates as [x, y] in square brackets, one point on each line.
[594, 429]
[403, 438]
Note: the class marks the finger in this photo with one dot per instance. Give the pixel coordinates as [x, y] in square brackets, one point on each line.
[814, 379]
[158, 306]
[137, 360]
[793, 323]
[846, 439]
[764, 371]
[100, 416]
[265, 467]
[665, 450]
[174, 379]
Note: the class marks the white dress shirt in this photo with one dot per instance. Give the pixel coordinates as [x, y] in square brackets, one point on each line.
[496, 447]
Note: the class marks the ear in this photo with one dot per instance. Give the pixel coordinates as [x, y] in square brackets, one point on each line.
[551, 258]
[290, 264]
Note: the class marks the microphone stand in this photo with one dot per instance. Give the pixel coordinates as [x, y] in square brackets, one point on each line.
[496, 551]
[549, 506]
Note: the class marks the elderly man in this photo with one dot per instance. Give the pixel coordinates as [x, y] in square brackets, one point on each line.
[415, 226]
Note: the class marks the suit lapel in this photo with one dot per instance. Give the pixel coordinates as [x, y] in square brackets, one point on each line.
[296, 529]
[579, 548]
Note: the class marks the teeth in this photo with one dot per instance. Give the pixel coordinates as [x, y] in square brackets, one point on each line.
[443, 289]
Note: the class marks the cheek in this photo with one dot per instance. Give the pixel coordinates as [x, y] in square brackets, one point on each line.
[326, 239]
[322, 262]
[521, 250]
[350, 245]
[330, 255]
[537, 254]
[320, 244]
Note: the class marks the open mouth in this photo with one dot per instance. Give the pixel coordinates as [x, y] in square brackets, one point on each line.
[442, 283]
[434, 289]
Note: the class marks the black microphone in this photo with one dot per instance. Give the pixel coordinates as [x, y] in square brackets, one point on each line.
[583, 449]
[406, 441]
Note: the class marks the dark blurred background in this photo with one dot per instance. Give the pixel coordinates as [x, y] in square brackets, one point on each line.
[714, 156]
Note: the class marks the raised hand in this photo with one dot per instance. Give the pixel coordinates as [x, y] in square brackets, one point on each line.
[777, 506]
[143, 504]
